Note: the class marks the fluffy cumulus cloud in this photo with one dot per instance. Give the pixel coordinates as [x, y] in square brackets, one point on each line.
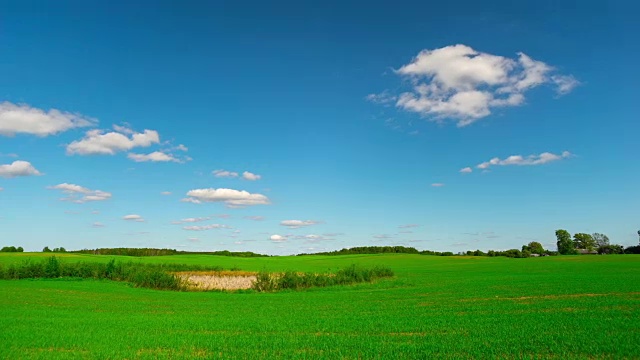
[543, 158]
[296, 224]
[133, 217]
[278, 238]
[99, 142]
[230, 197]
[24, 119]
[18, 168]
[79, 194]
[250, 176]
[457, 82]
[205, 227]
[466, 170]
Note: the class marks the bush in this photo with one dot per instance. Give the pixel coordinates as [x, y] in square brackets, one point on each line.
[295, 281]
[153, 276]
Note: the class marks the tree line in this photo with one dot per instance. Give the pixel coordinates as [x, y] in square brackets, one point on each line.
[12, 249]
[595, 243]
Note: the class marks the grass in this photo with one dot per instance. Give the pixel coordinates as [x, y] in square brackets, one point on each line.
[446, 307]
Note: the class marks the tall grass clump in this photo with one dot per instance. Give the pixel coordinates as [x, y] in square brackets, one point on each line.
[294, 280]
[152, 276]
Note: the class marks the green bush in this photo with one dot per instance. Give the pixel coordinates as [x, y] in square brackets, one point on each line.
[153, 276]
[295, 281]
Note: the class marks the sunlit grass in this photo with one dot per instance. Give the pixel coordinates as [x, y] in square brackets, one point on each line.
[434, 307]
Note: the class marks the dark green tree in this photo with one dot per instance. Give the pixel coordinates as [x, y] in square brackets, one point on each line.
[565, 244]
[584, 241]
[46, 249]
[533, 247]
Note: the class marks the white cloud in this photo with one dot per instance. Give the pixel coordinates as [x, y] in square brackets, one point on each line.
[383, 98]
[224, 174]
[250, 176]
[407, 226]
[205, 227]
[79, 194]
[565, 83]
[278, 238]
[295, 224]
[156, 156]
[97, 225]
[254, 218]
[382, 236]
[133, 217]
[466, 170]
[191, 220]
[182, 148]
[18, 168]
[457, 82]
[15, 119]
[166, 193]
[231, 197]
[221, 173]
[520, 160]
[437, 184]
[1, 189]
[123, 139]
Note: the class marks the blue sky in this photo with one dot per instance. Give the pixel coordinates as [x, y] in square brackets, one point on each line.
[308, 127]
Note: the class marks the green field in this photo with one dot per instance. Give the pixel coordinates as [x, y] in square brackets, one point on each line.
[435, 307]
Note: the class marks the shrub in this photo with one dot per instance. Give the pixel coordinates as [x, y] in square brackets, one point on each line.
[295, 281]
[154, 276]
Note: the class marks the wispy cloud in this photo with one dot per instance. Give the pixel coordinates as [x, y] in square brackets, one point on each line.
[220, 173]
[205, 227]
[520, 160]
[296, 224]
[79, 194]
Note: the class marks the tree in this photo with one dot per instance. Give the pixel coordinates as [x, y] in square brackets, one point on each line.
[584, 241]
[46, 249]
[611, 249]
[565, 245]
[19, 249]
[533, 247]
[600, 239]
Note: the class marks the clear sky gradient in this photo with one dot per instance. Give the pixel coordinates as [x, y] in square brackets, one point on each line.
[310, 126]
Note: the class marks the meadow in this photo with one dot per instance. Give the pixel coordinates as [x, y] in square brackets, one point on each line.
[564, 307]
